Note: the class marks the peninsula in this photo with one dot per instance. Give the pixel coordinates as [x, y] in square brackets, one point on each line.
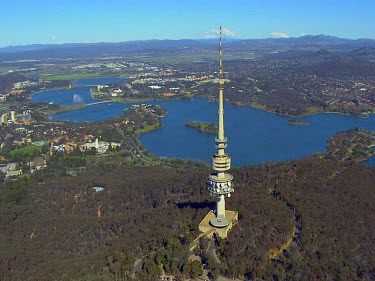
[351, 145]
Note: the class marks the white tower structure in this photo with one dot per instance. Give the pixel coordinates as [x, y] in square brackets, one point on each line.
[97, 144]
[13, 116]
[219, 181]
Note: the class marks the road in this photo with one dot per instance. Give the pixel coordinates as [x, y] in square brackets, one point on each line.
[211, 251]
[134, 148]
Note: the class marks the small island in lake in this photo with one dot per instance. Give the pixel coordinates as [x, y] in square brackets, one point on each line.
[205, 127]
[296, 122]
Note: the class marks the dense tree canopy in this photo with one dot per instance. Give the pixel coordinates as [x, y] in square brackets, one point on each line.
[67, 231]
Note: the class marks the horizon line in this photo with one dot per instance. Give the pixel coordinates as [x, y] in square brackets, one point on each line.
[190, 39]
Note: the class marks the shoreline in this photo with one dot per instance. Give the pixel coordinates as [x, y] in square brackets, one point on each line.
[364, 161]
[71, 108]
[263, 108]
[252, 105]
[303, 115]
[52, 89]
[137, 100]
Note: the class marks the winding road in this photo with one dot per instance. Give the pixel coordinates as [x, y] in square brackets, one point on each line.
[134, 148]
[297, 229]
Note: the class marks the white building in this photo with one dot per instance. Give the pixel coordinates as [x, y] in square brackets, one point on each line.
[101, 146]
[13, 116]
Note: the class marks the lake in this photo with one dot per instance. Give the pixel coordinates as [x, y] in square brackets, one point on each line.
[370, 161]
[254, 136]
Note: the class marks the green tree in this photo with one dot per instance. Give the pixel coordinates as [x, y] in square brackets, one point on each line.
[196, 269]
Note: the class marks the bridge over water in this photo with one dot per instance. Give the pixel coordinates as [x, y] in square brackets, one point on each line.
[98, 102]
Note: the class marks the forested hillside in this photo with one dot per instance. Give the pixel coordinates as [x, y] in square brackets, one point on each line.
[7, 80]
[67, 231]
[333, 204]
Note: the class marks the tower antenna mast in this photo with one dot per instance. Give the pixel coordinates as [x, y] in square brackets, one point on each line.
[219, 181]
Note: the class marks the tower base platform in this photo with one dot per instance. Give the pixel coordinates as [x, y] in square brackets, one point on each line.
[205, 226]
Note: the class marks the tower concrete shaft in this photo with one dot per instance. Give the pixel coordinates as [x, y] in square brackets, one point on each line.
[219, 182]
[221, 96]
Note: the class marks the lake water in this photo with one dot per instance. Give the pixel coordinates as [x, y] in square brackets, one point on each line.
[371, 161]
[254, 136]
[66, 97]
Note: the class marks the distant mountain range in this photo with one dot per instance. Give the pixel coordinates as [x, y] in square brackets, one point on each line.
[175, 47]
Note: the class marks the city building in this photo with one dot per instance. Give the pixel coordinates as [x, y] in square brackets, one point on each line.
[100, 146]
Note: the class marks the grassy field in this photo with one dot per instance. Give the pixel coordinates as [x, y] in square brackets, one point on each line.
[147, 129]
[73, 76]
[24, 153]
[62, 109]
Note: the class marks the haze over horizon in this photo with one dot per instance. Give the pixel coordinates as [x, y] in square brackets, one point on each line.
[58, 22]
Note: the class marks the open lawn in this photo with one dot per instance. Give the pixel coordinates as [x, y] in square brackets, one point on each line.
[73, 76]
[24, 153]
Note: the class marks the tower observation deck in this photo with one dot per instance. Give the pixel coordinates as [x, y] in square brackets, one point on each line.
[219, 182]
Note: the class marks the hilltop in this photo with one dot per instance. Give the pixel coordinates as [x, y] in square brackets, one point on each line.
[65, 230]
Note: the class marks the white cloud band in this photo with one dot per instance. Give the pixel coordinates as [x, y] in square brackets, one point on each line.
[214, 33]
[280, 35]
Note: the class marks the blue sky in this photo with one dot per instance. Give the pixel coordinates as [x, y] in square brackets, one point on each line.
[24, 22]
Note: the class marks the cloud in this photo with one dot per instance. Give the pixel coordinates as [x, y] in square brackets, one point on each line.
[53, 37]
[304, 34]
[229, 33]
[214, 33]
[279, 35]
[210, 35]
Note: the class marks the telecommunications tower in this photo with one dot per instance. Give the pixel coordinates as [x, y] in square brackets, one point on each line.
[219, 181]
